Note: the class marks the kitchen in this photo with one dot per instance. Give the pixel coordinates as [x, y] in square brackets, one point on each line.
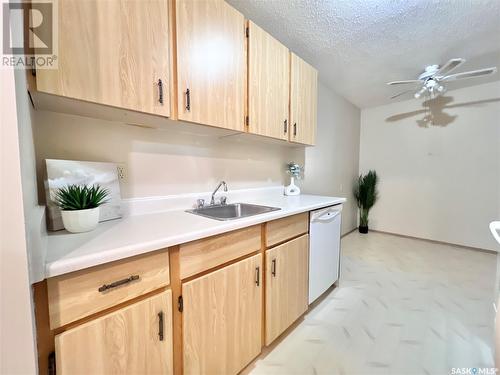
[206, 265]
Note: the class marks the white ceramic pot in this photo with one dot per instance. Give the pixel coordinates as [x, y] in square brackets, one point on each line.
[80, 220]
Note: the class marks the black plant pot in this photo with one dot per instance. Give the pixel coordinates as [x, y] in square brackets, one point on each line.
[363, 229]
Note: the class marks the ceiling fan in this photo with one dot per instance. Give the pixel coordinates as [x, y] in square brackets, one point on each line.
[431, 83]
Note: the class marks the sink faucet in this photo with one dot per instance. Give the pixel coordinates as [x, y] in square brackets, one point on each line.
[222, 183]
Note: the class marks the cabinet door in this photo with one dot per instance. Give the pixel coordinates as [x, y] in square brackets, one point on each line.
[268, 84]
[211, 63]
[112, 52]
[126, 341]
[303, 101]
[286, 285]
[222, 319]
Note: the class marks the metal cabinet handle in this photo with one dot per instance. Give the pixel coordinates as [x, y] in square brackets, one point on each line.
[285, 126]
[188, 100]
[257, 276]
[160, 91]
[118, 283]
[160, 325]
[273, 267]
[294, 128]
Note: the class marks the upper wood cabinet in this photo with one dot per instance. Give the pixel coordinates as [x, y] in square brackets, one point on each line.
[211, 63]
[136, 339]
[303, 101]
[287, 273]
[222, 318]
[268, 84]
[113, 52]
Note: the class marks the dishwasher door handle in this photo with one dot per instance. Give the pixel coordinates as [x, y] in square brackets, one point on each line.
[326, 217]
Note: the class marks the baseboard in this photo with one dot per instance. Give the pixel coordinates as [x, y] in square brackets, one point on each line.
[352, 230]
[436, 242]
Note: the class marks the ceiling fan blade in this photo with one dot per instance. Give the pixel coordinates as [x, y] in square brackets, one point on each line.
[402, 93]
[414, 81]
[471, 74]
[448, 67]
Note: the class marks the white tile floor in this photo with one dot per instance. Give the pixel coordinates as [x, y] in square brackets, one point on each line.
[403, 306]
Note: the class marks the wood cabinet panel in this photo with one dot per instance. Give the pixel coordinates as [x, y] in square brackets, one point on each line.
[222, 319]
[126, 341]
[286, 285]
[288, 227]
[76, 295]
[211, 63]
[268, 84]
[112, 52]
[201, 255]
[303, 101]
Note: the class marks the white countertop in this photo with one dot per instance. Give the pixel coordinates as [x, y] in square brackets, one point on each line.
[138, 234]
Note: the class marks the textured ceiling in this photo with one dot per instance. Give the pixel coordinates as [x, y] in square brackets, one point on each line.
[358, 46]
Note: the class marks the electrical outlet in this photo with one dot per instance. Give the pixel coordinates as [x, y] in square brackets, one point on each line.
[122, 175]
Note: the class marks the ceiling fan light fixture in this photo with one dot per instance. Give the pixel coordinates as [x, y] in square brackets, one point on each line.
[434, 76]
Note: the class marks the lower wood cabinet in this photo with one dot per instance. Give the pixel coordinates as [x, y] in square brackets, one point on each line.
[222, 318]
[136, 339]
[286, 285]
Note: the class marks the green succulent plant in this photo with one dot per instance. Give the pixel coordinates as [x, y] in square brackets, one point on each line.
[80, 197]
[366, 195]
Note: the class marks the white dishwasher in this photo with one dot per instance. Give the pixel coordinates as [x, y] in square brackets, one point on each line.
[324, 249]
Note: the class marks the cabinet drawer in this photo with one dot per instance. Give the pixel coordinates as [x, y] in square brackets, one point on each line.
[201, 255]
[288, 227]
[82, 293]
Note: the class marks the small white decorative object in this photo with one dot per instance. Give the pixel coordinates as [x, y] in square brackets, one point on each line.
[79, 221]
[294, 170]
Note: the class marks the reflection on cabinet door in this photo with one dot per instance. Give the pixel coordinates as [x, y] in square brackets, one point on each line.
[211, 63]
[136, 339]
[268, 84]
[286, 285]
[222, 318]
[113, 52]
[303, 101]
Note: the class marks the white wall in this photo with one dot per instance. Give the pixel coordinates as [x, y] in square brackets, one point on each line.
[439, 181]
[173, 160]
[332, 165]
[17, 341]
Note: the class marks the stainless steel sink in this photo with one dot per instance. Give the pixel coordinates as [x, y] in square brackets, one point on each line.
[232, 211]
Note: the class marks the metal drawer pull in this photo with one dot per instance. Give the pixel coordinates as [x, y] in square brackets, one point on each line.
[188, 100]
[118, 283]
[160, 325]
[273, 267]
[294, 128]
[160, 89]
[257, 276]
[285, 127]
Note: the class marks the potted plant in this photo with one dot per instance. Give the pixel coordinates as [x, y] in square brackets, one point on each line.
[366, 195]
[79, 206]
[294, 170]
